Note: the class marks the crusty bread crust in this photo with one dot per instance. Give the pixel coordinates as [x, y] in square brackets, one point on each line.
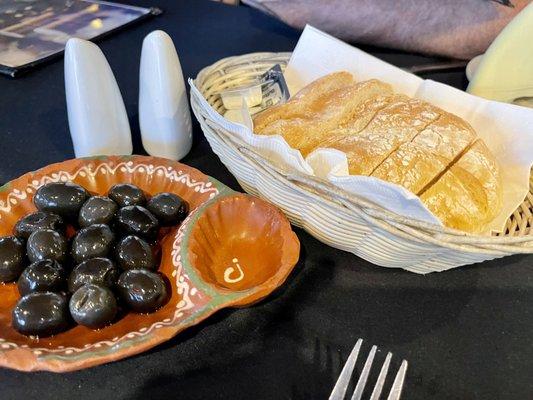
[300, 103]
[397, 123]
[305, 129]
[468, 195]
[418, 163]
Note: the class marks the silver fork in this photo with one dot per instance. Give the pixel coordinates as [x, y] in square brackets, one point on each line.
[341, 386]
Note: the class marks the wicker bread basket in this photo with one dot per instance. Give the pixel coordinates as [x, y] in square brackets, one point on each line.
[333, 216]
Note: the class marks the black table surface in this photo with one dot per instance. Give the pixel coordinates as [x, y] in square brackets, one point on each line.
[466, 332]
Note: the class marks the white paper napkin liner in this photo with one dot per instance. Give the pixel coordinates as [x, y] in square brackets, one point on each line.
[310, 61]
[325, 162]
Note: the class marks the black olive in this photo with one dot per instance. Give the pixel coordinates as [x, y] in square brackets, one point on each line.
[142, 291]
[134, 253]
[41, 314]
[168, 208]
[93, 306]
[36, 221]
[46, 244]
[99, 271]
[93, 241]
[61, 198]
[42, 276]
[125, 194]
[11, 258]
[136, 220]
[97, 210]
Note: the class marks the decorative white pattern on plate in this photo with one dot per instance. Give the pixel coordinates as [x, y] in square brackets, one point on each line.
[107, 168]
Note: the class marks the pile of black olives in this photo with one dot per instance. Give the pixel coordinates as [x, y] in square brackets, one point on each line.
[107, 266]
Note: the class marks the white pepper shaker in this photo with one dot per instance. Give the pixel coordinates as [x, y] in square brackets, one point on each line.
[97, 117]
[164, 115]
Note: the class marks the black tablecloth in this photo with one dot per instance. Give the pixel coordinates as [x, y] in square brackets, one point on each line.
[466, 333]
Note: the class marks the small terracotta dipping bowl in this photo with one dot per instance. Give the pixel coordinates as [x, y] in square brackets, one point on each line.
[242, 244]
[232, 250]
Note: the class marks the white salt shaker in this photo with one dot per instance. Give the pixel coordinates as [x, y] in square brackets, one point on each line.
[96, 114]
[164, 115]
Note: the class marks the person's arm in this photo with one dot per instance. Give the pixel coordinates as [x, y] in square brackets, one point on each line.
[454, 28]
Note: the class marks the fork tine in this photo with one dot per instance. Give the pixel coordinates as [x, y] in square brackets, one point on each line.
[397, 386]
[381, 378]
[344, 378]
[358, 392]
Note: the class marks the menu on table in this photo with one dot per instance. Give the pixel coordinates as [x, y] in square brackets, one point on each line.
[32, 31]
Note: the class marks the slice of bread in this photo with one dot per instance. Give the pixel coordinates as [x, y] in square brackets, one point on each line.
[418, 163]
[468, 195]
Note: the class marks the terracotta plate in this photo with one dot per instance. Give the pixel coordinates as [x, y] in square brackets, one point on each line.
[232, 250]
